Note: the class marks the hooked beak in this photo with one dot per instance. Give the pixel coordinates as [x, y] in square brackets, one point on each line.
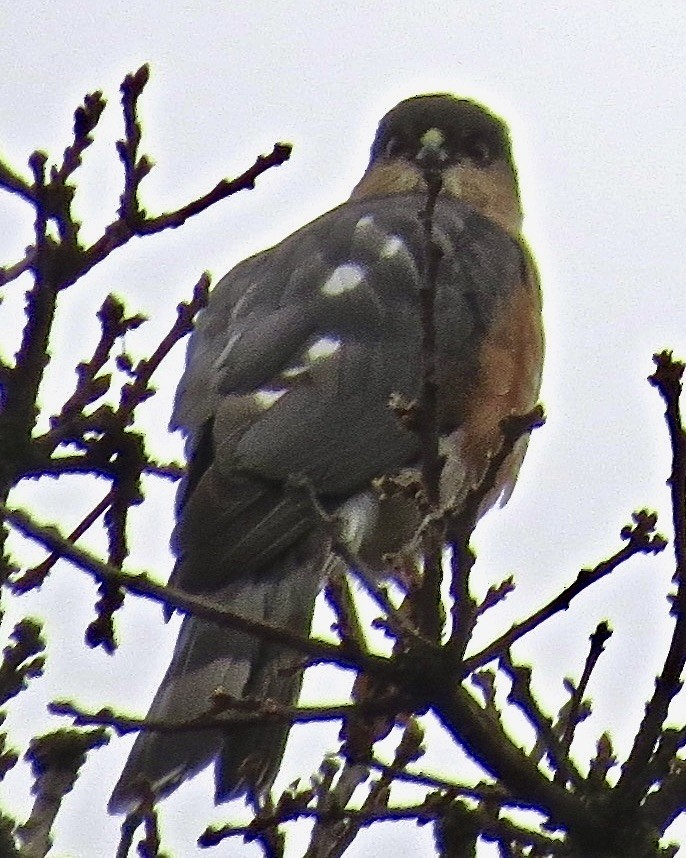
[432, 154]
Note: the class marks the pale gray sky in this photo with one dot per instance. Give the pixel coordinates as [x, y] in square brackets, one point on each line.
[593, 92]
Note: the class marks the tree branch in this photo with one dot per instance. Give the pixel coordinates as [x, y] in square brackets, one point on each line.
[632, 783]
[641, 539]
[186, 603]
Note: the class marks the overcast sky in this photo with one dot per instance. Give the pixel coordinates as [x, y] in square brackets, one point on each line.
[594, 94]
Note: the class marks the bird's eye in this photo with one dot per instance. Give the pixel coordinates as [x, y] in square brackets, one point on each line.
[392, 148]
[476, 150]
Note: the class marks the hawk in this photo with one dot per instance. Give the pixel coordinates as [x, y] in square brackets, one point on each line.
[289, 374]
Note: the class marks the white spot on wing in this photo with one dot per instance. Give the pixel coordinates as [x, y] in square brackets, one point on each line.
[323, 347]
[266, 397]
[364, 223]
[293, 371]
[245, 297]
[343, 279]
[395, 249]
[221, 360]
[392, 247]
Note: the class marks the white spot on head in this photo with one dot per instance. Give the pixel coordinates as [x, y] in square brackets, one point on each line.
[266, 397]
[323, 347]
[433, 137]
[343, 279]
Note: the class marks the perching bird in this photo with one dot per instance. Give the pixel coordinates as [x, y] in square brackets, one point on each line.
[289, 374]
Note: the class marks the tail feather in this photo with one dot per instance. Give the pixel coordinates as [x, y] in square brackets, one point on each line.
[207, 658]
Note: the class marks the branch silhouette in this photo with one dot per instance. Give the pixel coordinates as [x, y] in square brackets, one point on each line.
[430, 618]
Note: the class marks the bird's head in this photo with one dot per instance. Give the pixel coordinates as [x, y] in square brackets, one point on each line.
[467, 144]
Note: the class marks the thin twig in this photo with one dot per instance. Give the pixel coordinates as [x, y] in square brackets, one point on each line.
[8, 273]
[598, 640]
[138, 389]
[632, 783]
[641, 539]
[34, 577]
[427, 600]
[340, 599]
[222, 713]
[522, 696]
[461, 522]
[433, 808]
[16, 184]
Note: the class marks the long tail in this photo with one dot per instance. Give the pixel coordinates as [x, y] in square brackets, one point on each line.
[208, 658]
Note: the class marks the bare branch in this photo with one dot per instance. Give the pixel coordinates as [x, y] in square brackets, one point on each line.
[598, 640]
[223, 712]
[426, 602]
[15, 184]
[434, 807]
[135, 169]
[56, 759]
[641, 539]
[487, 743]
[34, 577]
[138, 390]
[632, 784]
[522, 696]
[22, 659]
[188, 604]
[12, 272]
[118, 233]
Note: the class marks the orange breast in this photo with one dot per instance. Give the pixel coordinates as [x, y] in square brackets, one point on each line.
[507, 381]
